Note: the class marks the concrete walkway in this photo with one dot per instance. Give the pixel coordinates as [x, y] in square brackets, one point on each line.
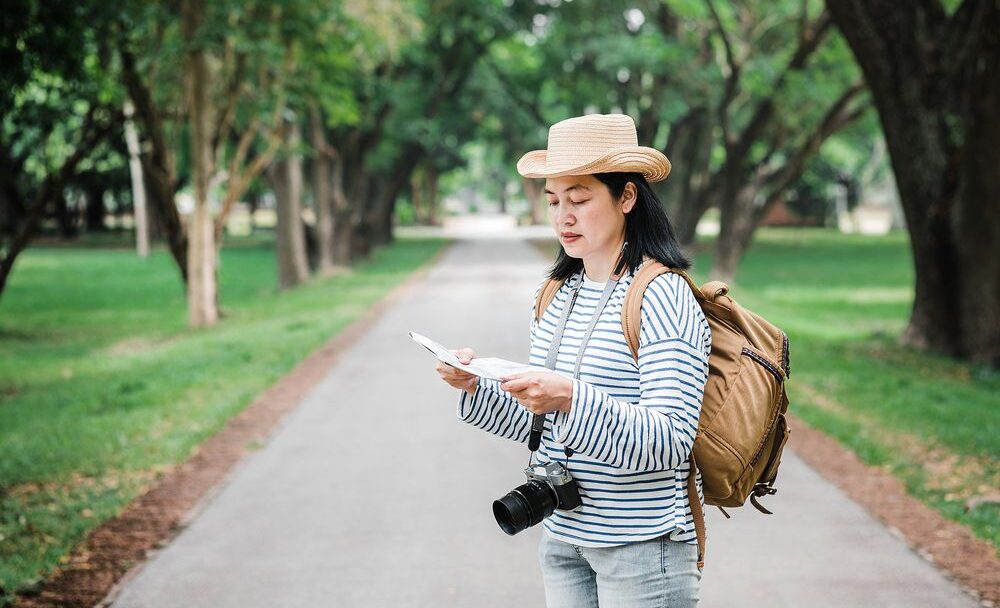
[373, 493]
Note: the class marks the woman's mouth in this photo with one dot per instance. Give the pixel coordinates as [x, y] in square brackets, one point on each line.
[569, 238]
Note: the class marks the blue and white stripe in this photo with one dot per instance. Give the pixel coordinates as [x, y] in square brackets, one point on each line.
[631, 427]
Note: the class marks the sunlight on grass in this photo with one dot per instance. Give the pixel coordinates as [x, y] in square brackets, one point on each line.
[102, 382]
[844, 300]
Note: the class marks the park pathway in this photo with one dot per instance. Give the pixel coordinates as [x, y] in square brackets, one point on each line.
[373, 494]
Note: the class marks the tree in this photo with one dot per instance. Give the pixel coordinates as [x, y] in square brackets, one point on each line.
[148, 25]
[935, 79]
[739, 96]
[286, 179]
[237, 59]
[769, 153]
[57, 111]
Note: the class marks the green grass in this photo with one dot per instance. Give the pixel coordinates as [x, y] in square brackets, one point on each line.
[844, 300]
[103, 386]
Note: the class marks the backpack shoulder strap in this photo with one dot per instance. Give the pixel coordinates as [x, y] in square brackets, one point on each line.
[546, 295]
[631, 317]
[647, 271]
[632, 306]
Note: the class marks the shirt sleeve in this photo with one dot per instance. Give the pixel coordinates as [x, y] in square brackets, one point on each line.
[493, 409]
[656, 433]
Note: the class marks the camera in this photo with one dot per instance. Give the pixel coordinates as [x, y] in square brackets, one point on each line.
[549, 487]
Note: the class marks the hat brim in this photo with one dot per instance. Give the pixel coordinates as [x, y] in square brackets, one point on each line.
[652, 163]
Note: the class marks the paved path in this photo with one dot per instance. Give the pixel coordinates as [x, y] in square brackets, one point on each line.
[373, 494]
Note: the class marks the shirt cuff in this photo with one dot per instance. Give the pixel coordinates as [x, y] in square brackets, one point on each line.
[566, 427]
[467, 404]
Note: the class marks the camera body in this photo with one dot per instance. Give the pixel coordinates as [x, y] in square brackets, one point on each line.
[549, 487]
[559, 480]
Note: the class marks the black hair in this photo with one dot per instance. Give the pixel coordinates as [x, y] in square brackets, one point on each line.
[647, 230]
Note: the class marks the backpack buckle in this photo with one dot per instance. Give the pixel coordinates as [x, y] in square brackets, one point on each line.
[761, 490]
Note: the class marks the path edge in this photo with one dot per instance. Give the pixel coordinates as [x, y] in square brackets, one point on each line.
[113, 553]
[950, 547]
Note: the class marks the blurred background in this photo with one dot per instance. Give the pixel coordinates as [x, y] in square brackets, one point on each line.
[195, 195]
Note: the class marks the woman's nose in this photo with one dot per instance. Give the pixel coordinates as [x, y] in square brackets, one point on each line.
[562, 214]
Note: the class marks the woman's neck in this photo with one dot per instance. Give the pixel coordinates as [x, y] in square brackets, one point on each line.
[599, 266]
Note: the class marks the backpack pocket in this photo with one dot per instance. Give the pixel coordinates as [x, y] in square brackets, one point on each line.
[732, 442]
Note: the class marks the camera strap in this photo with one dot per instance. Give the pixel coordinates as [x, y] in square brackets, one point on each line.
[538, 421]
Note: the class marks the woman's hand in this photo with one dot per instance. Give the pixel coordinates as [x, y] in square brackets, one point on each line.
[540, 392]
[456, 377]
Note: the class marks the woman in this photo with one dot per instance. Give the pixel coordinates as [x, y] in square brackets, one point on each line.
[623, 430]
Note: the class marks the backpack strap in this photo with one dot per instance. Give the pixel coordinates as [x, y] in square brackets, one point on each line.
[546, 295]
[631, 318]
[632, 307]
[696, 512]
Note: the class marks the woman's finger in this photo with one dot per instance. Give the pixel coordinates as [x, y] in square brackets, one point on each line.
[465, 355]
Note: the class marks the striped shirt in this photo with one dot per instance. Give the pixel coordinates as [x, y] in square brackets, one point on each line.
[631, 427]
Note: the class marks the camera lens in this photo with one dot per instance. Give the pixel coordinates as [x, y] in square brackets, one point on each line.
[524, 506]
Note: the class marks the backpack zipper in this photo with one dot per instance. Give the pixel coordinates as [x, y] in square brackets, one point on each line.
[767, 364]
[773, 419]
[785, 363]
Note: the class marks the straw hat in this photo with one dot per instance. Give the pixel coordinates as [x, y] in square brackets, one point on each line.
[596, 143]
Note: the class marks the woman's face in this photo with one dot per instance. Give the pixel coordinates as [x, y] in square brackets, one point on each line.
[582, 205]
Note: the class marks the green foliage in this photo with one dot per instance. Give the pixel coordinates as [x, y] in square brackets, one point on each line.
[55, 74]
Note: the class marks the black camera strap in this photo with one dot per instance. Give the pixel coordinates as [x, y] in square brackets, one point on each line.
[538, 421]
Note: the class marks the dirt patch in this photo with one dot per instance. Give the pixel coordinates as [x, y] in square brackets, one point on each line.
[961, 477]
[91, 572]
[970, 561]
[136, 346]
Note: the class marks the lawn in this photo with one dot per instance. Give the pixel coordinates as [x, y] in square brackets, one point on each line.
[843, 300]
[103, 387]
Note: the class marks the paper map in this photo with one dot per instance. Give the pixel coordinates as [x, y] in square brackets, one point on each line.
[484, 367]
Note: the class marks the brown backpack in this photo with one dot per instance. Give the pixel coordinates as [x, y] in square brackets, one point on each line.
[741, 428]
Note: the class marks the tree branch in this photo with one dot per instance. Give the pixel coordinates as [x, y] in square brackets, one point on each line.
[809, 40]
[228, 113]
[838, 115]
[733, 70]
[529, 106]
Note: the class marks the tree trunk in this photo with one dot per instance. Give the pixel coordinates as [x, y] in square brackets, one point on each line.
[503, 193]
[689, 214]
[533, 193]
[286, 177]
[977, 208]
[360, 204]
[688, 148]
[64, 219]
[12, 207]
[201, 255]
[433, 205]
[736, 224]
[322, 193]
[91, 134]
[343, 231]
[416, 197]
[157, 165]
[138, 186]
[936, 84]
[94, 193]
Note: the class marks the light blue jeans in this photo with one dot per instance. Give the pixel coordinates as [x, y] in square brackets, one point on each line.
[658, 572]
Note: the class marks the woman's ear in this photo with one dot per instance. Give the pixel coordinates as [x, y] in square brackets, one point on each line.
[628, 197]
